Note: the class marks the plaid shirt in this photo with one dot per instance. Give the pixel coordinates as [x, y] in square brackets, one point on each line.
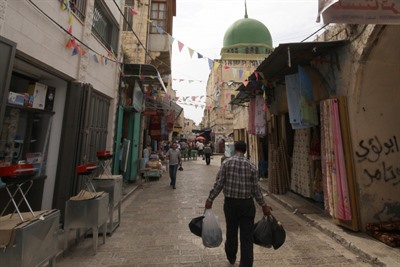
[238, 177]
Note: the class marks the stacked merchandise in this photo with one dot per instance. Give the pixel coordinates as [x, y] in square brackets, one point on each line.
[387, 232]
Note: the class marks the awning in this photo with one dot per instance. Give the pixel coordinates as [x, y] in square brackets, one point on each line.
[287, 57]
[284, 60]
[145, 73]
[163, 105]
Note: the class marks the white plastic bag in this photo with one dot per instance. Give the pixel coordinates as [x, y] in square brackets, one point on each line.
[211, 233]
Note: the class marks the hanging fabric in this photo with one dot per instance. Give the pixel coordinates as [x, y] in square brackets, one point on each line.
[336, 191]
[252, 111]
[301, 175]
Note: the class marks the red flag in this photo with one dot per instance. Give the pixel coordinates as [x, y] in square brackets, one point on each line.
[180, 45]
[134, 12]
[70, 43]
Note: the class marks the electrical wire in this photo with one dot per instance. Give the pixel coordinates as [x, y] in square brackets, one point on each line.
[134, 33]
[314, 33]
[67, 32]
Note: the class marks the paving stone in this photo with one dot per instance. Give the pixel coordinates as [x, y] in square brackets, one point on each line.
[154, 231]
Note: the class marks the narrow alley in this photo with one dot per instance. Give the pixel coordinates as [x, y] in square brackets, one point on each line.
[154, 230]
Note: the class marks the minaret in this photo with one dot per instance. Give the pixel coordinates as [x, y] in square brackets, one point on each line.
[245, 10]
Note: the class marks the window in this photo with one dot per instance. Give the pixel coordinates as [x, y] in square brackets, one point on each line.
[104, 27]
[79, 8]
[129, 4]
[158, 16]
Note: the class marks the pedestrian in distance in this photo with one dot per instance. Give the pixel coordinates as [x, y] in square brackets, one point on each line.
[174, 157]
[200, 149]
[207, 153]
[238, 179]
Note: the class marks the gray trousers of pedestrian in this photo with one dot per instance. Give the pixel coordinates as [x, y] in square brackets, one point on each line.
[239, 215]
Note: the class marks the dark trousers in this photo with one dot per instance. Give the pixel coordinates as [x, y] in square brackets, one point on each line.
[172, 174]
[208, 158]
[239, 214]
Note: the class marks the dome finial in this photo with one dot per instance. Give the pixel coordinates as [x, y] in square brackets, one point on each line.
[245, 10]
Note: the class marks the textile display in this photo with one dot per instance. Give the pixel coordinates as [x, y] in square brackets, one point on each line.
[259, 120]
[278, 174]
[386, 232]
[155, 125]
[251, 128]
[302, 109]
[336, 191]
[301, 173]
[170, 119]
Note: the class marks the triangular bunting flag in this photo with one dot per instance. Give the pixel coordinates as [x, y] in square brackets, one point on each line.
[180, 46]
[210, 63]
[69, 43]
[134, 12]
[234, 72]
[75, 51]
[240, 73]
[191, 51]
[216, 65]
[170, 39]
[160, 30]
[95, 58]
[199, 55]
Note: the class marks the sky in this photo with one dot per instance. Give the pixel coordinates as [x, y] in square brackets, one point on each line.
[200, 25]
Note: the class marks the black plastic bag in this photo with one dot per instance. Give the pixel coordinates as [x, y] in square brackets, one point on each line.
[180, 168]
[269, 232]
[262, 233]
[196, 225]
[278, 233]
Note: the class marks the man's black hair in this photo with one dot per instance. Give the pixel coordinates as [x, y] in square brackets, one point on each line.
[240, 146]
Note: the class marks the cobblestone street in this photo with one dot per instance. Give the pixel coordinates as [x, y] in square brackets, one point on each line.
[154, 231]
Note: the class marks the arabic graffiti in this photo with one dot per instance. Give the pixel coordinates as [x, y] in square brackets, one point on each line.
[375, 151]
[391, 210]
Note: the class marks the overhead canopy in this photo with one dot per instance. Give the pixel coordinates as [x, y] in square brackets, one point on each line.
[287, 57]
[284, 60]
[163, 105]
[145, 73]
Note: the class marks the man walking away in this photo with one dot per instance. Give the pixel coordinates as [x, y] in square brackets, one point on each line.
[200, 148]
[174, 157]
[238, 179]
[207, 153]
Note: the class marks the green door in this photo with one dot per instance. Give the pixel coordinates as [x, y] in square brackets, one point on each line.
[128, 122]
[135, 159]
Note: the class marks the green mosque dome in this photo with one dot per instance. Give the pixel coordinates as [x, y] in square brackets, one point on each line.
[246, 37]
[247, 31]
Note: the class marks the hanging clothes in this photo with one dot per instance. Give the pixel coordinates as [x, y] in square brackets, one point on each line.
[336, 191]
[251, 128]
[302, 109]
[301, 175]
[259, 121]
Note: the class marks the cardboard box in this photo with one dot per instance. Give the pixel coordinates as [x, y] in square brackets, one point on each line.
[38, 91]
[16, 99]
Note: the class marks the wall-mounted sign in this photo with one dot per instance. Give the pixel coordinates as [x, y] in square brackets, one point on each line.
[137, 97]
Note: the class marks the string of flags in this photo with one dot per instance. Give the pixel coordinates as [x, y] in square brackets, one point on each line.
[79, 48]
[236, 72]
